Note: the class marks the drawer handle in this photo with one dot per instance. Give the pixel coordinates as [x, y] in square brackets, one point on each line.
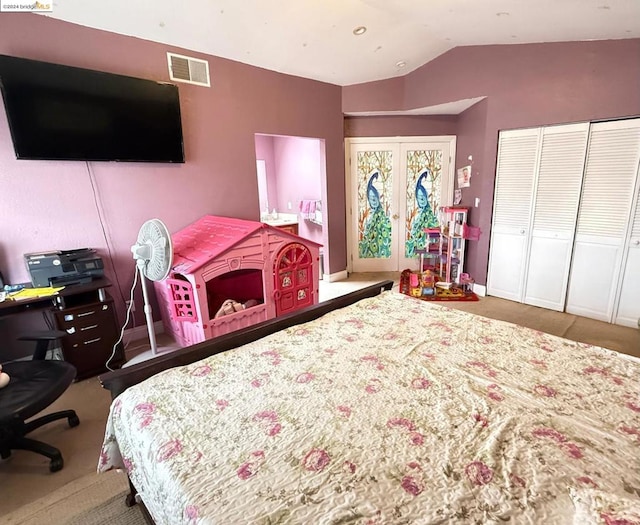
[86, 313]
[91, 327]
[91, 341]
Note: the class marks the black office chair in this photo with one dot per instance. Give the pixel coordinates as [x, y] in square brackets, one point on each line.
[34, 385]
[43, 339]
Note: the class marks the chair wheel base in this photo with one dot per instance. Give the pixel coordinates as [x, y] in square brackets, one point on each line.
[34, 386]
[56, 464]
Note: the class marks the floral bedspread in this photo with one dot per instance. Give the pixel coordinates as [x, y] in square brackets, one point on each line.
[390, 411]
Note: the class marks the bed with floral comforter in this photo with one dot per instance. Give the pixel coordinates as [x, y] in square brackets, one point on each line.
[389, 411]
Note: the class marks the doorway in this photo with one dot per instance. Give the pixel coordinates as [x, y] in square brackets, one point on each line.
[291, 175]
[394, 189]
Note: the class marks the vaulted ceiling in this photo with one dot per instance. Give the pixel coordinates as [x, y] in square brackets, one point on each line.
[315, 38]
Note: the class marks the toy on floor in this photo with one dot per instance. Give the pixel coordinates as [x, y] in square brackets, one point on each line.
[428, 281]
[414, 284]
[421, 284]
[4, 378]
[466, 282]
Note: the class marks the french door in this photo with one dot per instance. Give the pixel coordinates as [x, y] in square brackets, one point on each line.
[394, 189]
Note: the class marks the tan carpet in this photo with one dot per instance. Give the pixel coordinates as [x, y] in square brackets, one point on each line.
[25, 476]
[576, 328]
[95, 499]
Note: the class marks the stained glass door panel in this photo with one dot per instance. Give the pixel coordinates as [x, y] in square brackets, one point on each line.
[395, 191]
[374, 204]
[425, 183]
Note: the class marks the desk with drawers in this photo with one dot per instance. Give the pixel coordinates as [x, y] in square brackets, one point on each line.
[86, 312]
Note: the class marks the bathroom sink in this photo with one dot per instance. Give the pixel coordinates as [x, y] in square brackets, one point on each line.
[283, 219]
[279, 222]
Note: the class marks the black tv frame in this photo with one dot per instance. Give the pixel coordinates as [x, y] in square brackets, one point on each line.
[60, 112]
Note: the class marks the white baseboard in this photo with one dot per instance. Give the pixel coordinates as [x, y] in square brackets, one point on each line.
[480, 289]
[141, 332]
[338, 276]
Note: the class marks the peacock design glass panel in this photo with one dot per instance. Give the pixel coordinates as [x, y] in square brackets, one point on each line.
[424, 176]
[375, 187]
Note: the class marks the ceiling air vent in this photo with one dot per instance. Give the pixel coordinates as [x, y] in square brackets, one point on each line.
[187, 69]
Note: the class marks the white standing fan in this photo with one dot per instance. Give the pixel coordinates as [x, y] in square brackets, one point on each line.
[153, 253]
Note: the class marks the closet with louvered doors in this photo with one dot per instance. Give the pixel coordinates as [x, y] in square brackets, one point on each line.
[628, 308]
[605, 273]
[537, 194]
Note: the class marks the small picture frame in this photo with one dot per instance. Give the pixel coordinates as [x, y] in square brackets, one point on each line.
[464, 177]
[457, 196]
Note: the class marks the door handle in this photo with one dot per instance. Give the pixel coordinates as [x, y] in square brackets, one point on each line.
[395, 216]
[522, 232]
[636, 242]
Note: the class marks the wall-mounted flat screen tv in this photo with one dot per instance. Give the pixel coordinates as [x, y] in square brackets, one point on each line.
[58, 112]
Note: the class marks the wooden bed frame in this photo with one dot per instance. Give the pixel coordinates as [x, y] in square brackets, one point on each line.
[119, 380]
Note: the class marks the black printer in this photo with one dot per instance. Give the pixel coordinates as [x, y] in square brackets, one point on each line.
[63, 268]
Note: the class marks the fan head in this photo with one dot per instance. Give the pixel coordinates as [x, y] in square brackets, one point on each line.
[153, 251]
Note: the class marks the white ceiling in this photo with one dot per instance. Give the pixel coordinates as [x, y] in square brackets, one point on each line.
[314, 38]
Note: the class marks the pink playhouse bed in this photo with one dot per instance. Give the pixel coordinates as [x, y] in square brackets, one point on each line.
[264, 270]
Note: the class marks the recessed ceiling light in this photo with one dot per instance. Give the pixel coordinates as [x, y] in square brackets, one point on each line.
[401, 63]
[360, 30]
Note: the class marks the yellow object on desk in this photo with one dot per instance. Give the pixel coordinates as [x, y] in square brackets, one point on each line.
[32, 293]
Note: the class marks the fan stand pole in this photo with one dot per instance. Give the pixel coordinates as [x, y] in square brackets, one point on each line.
[147, 312]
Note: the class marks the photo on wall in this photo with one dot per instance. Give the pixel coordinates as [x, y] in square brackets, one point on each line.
[464, 177]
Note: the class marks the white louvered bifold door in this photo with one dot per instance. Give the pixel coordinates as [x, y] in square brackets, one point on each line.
[515, 175]
[603, 226]
[557, 195]
[628, 311]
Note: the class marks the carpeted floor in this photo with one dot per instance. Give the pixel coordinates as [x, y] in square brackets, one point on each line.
[94, 499]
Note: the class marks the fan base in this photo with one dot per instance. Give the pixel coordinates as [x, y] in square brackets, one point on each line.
[145, 356]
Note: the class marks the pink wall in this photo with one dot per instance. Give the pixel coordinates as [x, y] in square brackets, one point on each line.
[382, 95]
[525, 85]
[471, 142]
[299, 177]
[405, 125]
[536, 83]
[295, 171]
[61, 205]
[264, 151]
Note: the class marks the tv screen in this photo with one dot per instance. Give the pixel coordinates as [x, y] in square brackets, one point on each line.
[58, 112]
